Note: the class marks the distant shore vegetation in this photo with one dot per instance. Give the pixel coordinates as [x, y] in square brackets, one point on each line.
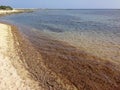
[5, 8]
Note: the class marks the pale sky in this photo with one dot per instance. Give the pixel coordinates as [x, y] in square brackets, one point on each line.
[64, 4]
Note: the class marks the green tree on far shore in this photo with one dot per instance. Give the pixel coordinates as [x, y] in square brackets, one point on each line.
[6, 8]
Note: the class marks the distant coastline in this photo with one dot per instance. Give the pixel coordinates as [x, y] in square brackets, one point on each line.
[14, 11]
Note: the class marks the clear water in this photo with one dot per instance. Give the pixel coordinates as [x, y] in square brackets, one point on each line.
[95, 31]
[70, 20]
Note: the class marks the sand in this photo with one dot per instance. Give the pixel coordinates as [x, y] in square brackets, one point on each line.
[34, 61]
[21, 66]
[9, 78]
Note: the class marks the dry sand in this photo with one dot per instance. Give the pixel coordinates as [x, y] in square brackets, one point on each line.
[9, 78]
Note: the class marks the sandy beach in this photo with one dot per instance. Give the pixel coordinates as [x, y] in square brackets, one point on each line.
[34, 61]
[9, 78]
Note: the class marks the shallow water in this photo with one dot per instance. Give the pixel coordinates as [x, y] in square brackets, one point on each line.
[80, 46]
[70, 20]
[95, 31]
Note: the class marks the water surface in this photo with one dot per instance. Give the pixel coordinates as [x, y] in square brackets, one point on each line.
[95, 31]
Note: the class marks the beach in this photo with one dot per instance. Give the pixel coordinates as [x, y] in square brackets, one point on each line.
[9, 77]
[15, 58]
[39, 66]
[35, 60]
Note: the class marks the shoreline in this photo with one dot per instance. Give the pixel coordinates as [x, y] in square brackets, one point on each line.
[9, 76]
[22, 57]
[56, 65]
[14, 11]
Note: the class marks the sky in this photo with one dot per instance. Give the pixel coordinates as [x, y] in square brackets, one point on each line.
[63, 4]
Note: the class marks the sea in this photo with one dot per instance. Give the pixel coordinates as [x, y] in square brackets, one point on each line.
[96, 31]
[69, 20]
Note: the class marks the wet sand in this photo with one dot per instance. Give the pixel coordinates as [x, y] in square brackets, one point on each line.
[56, 65]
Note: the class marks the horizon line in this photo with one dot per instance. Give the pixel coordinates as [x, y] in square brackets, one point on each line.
[73, 8]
